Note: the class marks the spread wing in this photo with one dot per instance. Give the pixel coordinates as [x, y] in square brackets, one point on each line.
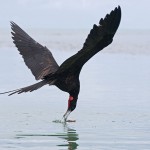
[99, 37]
[38, 58]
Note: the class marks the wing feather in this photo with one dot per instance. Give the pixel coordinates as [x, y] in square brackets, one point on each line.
[37, 57]
[99, 37]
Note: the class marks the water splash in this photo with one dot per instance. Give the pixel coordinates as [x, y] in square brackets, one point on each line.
[63, 122]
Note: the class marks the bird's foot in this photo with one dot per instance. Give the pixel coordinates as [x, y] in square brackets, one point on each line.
[70, 120]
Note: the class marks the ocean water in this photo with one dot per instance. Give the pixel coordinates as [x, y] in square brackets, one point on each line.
[113, 106]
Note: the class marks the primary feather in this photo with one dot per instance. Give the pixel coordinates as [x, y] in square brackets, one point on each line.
[99, 37]
[37, 57]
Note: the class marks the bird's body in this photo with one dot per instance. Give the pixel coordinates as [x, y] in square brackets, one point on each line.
[66, 76]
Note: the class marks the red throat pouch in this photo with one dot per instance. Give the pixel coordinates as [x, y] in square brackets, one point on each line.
[70, 99]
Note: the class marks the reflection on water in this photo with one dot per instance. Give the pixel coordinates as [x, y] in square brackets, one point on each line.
[69, 135]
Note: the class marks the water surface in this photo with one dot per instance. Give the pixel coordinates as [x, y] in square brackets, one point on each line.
[113, 107]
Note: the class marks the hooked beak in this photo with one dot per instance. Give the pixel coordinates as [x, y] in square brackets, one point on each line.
[66, 115]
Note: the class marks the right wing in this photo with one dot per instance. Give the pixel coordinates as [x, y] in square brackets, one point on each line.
[99, 37]
[38, 58]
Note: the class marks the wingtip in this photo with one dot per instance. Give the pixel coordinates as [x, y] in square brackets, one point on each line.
[11, 23]
[118, 9]
[119, 12]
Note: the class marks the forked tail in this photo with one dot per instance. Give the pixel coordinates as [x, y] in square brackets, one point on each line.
[28, 88]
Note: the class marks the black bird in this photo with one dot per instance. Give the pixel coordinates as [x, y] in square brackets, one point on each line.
[66, 76]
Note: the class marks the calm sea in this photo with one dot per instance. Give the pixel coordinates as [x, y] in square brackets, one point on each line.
[113, 106]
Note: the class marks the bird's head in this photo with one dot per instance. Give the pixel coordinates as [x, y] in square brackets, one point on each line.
[72, 102]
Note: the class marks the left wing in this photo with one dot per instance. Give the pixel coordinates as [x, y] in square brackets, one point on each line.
[37, 57]
[99, 37]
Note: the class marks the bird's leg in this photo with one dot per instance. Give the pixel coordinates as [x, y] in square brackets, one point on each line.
[65, 116]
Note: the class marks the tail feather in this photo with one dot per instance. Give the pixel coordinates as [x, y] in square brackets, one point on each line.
[29, 88]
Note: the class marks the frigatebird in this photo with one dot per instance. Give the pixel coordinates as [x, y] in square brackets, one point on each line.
[66, 76]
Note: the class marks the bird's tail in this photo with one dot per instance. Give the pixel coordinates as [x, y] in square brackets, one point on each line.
[29, 88]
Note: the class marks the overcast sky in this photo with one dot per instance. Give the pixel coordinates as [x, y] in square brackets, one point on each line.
[72, 13]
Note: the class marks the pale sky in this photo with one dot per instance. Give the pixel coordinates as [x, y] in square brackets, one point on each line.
[72, 13]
